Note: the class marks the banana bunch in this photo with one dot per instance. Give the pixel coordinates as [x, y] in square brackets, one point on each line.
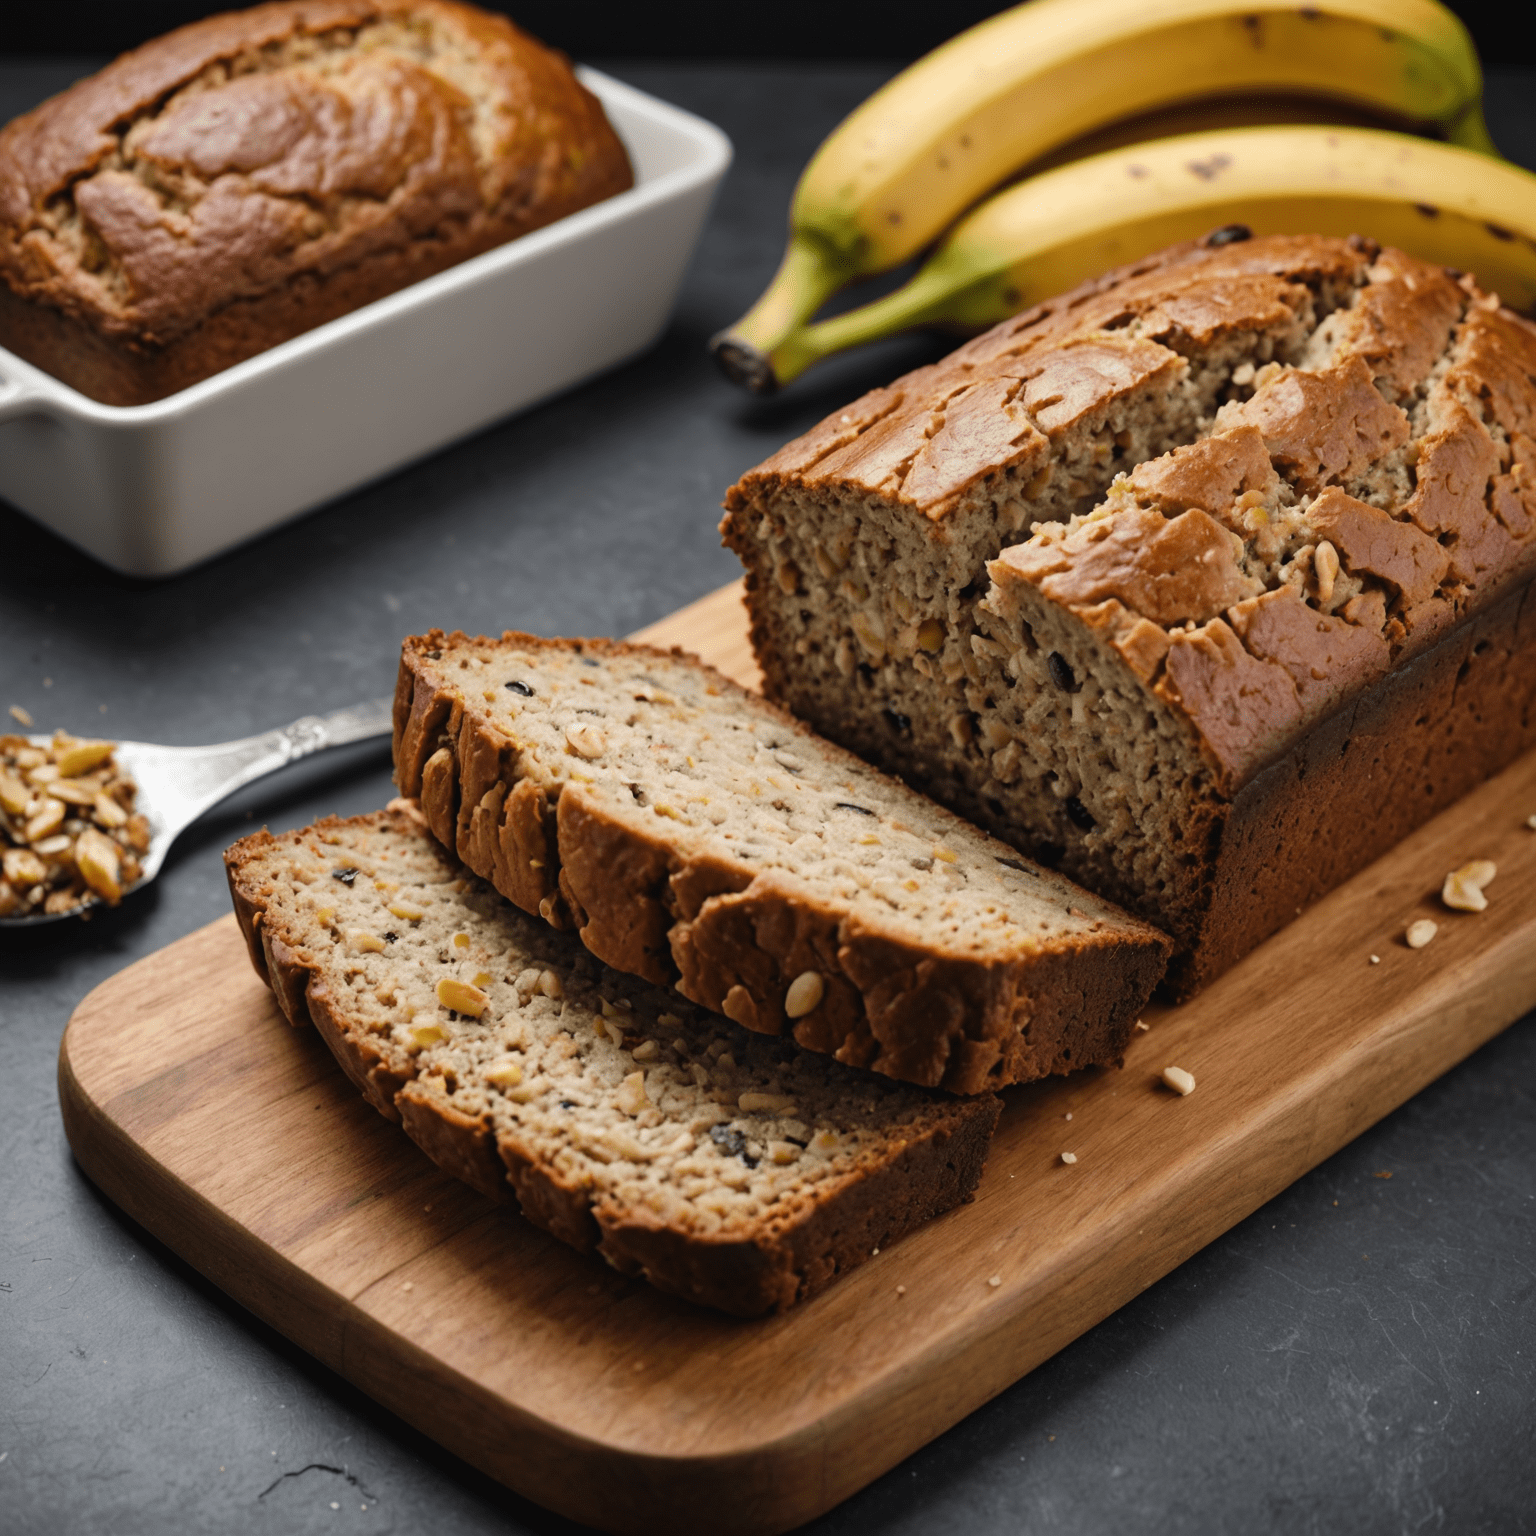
[1045, 235]
[1051, 79]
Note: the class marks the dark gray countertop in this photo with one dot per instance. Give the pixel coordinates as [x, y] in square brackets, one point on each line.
[1357, 1356]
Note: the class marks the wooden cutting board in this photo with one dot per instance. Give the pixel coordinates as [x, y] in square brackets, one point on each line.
[238, 1142]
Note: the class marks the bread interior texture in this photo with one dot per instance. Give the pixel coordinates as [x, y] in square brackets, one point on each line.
[725, 1166]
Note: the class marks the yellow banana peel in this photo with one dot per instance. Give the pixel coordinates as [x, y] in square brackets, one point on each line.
[1009, 91]
[1438, 201]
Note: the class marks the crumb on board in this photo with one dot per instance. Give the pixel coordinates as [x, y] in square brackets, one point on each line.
[1182, 1082]
[1141, 1024]
[995, 1281]
[1421, 932]
[1375, 959]
[1069, 1158]
[1463, 888]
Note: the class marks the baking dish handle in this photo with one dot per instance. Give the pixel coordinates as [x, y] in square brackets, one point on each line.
[18, 398]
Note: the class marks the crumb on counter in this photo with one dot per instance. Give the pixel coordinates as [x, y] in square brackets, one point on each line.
[1375, 959]
[1182, 1082]
[1421, 932]
[1463, 888]
[1069, 1158]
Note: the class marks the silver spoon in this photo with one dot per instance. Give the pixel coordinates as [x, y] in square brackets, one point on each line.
[177, 784]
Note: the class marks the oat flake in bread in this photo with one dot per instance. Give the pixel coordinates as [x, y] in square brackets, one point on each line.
[1277, 607]
[245, 178]
[733, 1170]
[694, 834]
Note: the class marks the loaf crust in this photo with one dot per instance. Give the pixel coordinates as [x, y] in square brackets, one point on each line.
[660, 899]
[248, 177]
[930, 1159]
[1281, 556]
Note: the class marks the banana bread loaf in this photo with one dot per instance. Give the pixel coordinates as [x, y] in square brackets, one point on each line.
[245, 178]
[696, 835]
[731, 1169]
[1276, 610]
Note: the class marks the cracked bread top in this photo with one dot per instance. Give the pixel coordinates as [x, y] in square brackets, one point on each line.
[1341, 514]
[261, 148]
[988, 419]
[697, 835]
[618, 1110]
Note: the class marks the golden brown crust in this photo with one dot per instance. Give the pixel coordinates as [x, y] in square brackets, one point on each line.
[923, 1180]
[253, 175]
[649, 905]
[1031, 380]
[1428, 731]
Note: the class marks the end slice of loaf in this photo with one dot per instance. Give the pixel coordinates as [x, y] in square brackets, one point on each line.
[698, 836]
[727, 1168]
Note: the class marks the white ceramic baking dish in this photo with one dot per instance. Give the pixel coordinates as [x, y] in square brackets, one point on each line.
[152, 489]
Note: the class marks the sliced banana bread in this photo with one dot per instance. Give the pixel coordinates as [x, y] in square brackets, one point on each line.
[1276, 608]
[730, 1169]
[698, 836]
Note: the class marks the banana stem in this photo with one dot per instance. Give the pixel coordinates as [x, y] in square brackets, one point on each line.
[810, 273]
[933, 295]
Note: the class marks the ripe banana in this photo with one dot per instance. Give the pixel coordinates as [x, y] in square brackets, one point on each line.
[1042, 236]
[980, 108]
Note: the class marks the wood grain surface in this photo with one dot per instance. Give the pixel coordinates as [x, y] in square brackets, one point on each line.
[238, 1142]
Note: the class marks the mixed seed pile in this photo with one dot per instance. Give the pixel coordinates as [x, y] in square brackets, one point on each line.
[69, 834]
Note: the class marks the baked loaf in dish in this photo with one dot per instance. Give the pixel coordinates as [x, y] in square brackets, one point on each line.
[727, 1168]
[245, 178]
[697, 836]
[1276, 610]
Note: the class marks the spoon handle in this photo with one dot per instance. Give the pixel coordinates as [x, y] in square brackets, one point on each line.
[186, 781]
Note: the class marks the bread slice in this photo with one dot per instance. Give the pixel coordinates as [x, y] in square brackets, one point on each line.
[698, 836]
[730, 1169]
[1273, 608]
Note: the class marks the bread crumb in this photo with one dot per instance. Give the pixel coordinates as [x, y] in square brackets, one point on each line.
[1375, 959]
[1068, 1115]
[1463, 888]
[410, 1285]
[1179, 1080]
[1530, 821]
[1142, 1026]
[1420, 933]
[995, 1281]
[1069, 1158]
[21, 717]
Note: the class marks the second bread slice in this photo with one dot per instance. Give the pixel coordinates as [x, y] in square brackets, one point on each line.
[698, 836]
